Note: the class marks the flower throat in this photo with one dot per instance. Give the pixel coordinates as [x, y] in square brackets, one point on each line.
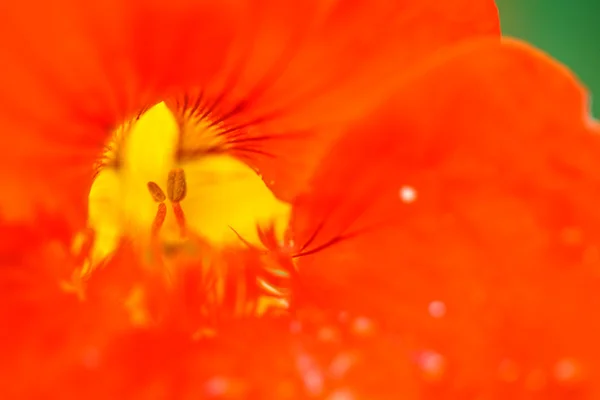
[224, 250]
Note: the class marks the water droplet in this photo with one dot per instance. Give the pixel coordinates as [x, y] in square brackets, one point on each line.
[310, 372]
[566, 370]
[313, 381]
[408, 194]
[340, 365]
[432, 364]
[437, 309]
[341, 394]
[362, 326]
[304, 362]
[217, 386]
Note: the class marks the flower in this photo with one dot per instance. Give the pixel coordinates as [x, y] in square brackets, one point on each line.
[435, 197]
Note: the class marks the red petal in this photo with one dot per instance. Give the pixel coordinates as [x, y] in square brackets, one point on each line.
[270, 361]
[494, 260]
[47, 328]
[302, 69]
[77, 70]
[75, 348]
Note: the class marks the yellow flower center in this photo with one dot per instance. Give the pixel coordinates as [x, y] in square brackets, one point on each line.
[194, 220]
[223, 194]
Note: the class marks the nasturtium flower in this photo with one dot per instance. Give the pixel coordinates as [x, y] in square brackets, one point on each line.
[298, 199]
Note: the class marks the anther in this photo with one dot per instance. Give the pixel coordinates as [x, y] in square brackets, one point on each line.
[176, 185]
[156, 192]
[176, 191]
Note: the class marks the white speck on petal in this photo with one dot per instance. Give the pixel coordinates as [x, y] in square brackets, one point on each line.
[341, 394]
[408, 194]
[565, 370]
[304, 362]
[310, 374]
[313, 381]
[362, 326]
[437, 309]
[217, 386]
[433, 364]
[340, 365]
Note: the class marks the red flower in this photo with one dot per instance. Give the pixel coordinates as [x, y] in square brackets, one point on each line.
[442, 240]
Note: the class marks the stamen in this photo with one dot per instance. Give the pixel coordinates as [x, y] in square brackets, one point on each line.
[159, 219]
[155, 245]
[136, 307]
[176, 185]
[81, 248]
[74, 285]
[82, 245]
[275, 277]
[247, 243]
[156, 192]
[274, 306]
[268, 289]
[176, 191]
[180, 218]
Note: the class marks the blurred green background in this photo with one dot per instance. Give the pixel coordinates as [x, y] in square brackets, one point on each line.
[567, 29]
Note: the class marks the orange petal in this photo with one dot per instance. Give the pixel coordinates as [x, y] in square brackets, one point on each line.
[87, 348]
[464, 215]
[300, 70]
[78, 70]
[49, 326]
[274, 359]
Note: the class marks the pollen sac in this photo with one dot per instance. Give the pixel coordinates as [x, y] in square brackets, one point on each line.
[156, 192]
[176, 185]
